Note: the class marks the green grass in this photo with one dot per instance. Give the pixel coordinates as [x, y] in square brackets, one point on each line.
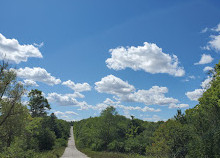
[55, 153]
[94, 154]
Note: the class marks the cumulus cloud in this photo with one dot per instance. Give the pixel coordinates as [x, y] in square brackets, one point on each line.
[154, 118]
[207, 68]
[78, 87]
[205, 59]
[194, 95]
[11, 50]
[126, 92]
[114, 85]
[66, 99]
[171, 106]
[214, 43]
[37, 74]
[108, 102]
[30, 83]
[149, 58]
[197, 93]
[66, 115]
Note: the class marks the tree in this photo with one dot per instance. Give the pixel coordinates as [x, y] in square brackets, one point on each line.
[11, 91]
[38, 103]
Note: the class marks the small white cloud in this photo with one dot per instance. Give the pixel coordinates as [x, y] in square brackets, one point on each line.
[195, 95]
[217, 28]
[78, 87]
[30, 83]
[206, 83]
[214, 43]
[192, 77]
[149, 58]
[66, 115]
[65, 99]
[108, 102]
[37, 74]
[71, 113]
[11, 50]
[204, 30]
[39, 45]
[171, 106]
[154, 118]
[205, 59]
[207, 68]
[114, 85]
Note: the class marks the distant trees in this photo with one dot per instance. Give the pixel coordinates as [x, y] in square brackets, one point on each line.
[113, 132]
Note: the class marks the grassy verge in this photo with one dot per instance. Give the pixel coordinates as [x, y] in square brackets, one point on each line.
[55, 153]
[94, 154]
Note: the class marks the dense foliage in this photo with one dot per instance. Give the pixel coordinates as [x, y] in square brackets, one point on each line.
[113, 132]
[193, 134]
[27, 132]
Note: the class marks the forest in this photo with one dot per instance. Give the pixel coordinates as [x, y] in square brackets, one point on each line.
[26, 131]
[192, 134]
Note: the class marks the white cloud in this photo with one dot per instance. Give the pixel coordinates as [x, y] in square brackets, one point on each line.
[205, 59]
[195, 95]
[192, 77]
[207, 68]
[217, 28]
[71, 113]
[126, 92]
[11, 50]
[149, 58]
[67, 115]
[206, 83]
[205, 30]
[154, 118]
[65, 99]
[171, 106]
[153, 96]
[37, 74]
[214, 43]
[39, 45]
[108, 102]
[78, 87]
[30, 83]
[114, 85]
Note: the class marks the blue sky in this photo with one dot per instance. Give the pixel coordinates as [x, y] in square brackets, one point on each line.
[144, 57]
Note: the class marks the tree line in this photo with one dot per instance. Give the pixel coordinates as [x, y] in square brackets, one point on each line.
[25, 129]
[193, 134]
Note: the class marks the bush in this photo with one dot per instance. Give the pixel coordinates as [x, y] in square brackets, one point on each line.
[116, 146]
[46, 139]
[60, 142]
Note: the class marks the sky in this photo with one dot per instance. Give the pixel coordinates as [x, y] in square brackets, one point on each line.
[147, 58]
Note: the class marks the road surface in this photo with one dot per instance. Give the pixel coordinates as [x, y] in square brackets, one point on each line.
[71, 151]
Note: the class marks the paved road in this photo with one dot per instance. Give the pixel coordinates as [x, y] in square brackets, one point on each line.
[71, 151]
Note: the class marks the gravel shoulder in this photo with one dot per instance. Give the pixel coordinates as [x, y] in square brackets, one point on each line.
[71, 150]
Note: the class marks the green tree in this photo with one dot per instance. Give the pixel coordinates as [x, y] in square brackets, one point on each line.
[11, 91]
[38, 103]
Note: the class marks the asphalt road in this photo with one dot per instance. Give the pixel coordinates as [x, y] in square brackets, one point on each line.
[71, 151]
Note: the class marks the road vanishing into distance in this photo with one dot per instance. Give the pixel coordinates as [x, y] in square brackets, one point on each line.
[71, 151]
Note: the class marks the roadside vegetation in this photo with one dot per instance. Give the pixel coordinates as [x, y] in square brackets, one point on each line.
[193, 134]
[25, 129]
